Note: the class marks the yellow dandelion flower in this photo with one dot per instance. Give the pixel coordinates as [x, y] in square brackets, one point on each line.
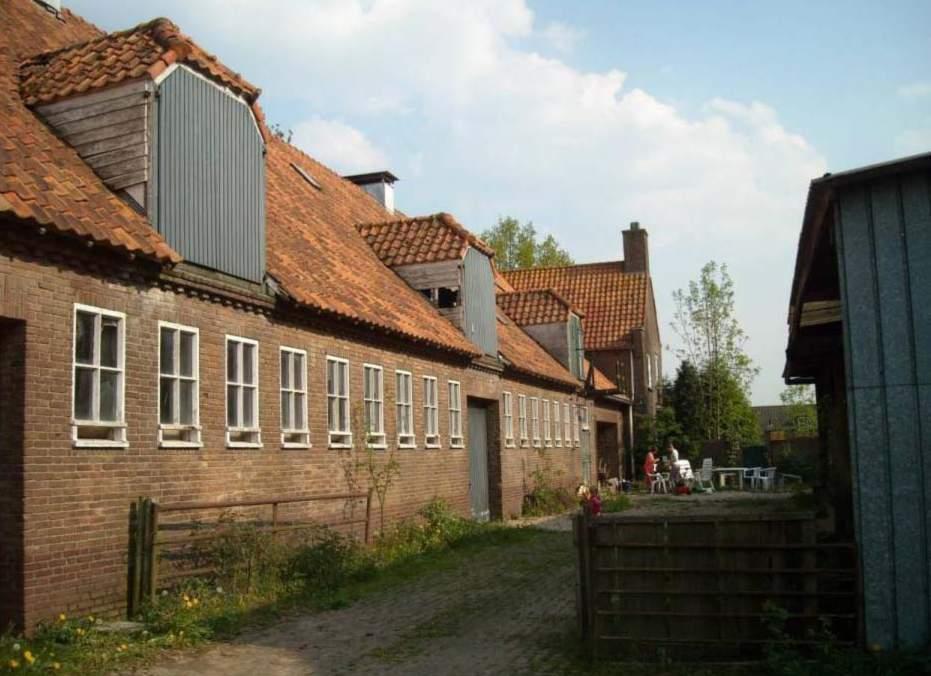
[181, 633]
[185, 597]
[196, 602]
[90, 618]
[28, 657]
[56, 666]
[14, 664]
[80, 632]
[124, 647]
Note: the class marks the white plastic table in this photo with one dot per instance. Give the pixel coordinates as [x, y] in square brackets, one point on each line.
[739, 472]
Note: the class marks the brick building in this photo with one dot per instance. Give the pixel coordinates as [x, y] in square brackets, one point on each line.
[192, 309]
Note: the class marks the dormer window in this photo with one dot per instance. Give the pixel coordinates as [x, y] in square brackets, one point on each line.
[442, 297]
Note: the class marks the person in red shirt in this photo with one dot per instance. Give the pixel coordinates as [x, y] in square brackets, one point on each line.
[649, 466]
[594, 502]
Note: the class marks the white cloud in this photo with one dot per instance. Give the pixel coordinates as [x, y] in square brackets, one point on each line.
[914, 141]
[489, 127]
[915, 91]
[338, 145]
[561, 36]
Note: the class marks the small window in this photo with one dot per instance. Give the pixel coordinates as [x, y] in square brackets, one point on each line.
[649, 361]
[567, 424]
[535, 420]
[522, 418]
[547, 431]
[373, 405]
[583, 416]
[294, 429]
[99, 382]
[508, 419]
[431, 413]
[557, 428]
[575, 425]
[405, 409]
[337, 394]
[242, 393]
[178, 368]
[455, 415]
[447, 298]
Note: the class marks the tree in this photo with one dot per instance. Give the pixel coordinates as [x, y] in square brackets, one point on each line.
[516, 246]
[713, 343]
[802, 409]
[685, 397]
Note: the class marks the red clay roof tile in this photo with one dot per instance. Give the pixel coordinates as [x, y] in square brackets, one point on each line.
[422, 239]
[538, 306]
[614, 301]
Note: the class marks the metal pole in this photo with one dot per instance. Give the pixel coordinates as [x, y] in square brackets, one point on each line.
[368, 515]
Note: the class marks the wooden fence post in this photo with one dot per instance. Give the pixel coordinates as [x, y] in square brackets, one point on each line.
[368, 515]
[151, 551]
[134, 560]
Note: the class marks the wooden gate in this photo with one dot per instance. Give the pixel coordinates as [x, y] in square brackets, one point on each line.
[690, 587]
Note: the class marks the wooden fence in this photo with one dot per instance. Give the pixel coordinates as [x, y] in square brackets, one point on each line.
[157, 531]
[720, 587]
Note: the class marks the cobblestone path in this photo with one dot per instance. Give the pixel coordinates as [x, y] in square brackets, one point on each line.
[503, 610]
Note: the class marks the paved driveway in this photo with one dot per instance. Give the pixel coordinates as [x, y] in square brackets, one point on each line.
[505, 610]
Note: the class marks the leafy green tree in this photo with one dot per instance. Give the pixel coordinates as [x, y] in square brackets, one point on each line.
[516, 246]
[713, 342]
[685, 397]
[803, 410]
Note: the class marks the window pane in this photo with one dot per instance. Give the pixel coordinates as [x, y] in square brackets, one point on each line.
[232, 361]
[109, 395]
[332, 423]
[84, 338]
[299, 408]
[248, 407]
[166, 400]
[286, 410]
[167, 352]
[83, 394]
[285, 370]
[187, 402]
[109, 341]
[343, 381]
[248, 364]
[343, 415]
[297, 382]
[232, 405]
[188, 350]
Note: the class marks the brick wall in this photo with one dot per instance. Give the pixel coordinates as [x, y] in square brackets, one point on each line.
[12, 390]
[76, 499]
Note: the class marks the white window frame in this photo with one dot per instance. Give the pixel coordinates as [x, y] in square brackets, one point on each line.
[522, 419]
[547, 430]
[338, 438]
[431, 413]
[241, 436]
[189, 436]
[374, 438]
[294, 437]
[115, 430]
[583, 416]
[567, 423]
[649, 360]
[557, 425]
[575, 426]
[535, 421]
[508, 404]
[456, 438]
[404, 406]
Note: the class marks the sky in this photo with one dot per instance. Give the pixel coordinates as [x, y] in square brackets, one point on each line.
[704, 122]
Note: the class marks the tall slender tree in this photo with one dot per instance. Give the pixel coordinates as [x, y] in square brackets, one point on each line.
[713, 342]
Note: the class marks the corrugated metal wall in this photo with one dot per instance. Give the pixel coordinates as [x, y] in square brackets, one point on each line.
[211, 177]
[478, 297]
[575, 346]
[883, 234]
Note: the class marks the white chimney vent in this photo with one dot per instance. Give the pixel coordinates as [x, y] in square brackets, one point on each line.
[378, 184]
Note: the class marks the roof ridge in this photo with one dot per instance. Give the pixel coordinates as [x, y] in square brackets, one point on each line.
[43, 57]
[565, 267]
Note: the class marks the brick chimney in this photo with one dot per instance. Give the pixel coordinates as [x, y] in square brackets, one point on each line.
[636, 249]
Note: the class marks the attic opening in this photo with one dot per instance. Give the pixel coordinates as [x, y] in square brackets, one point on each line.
[443, 297]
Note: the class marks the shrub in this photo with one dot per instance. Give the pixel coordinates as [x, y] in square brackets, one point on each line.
[615, 503]
[545, 498]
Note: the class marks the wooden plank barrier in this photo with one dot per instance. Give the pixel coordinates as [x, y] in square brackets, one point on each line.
[153, 536]
[710, 587]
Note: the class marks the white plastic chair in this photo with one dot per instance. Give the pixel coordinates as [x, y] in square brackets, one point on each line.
[685, 470]
[658, 482]
[706, 475]
[766, 478]
[751, 476]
